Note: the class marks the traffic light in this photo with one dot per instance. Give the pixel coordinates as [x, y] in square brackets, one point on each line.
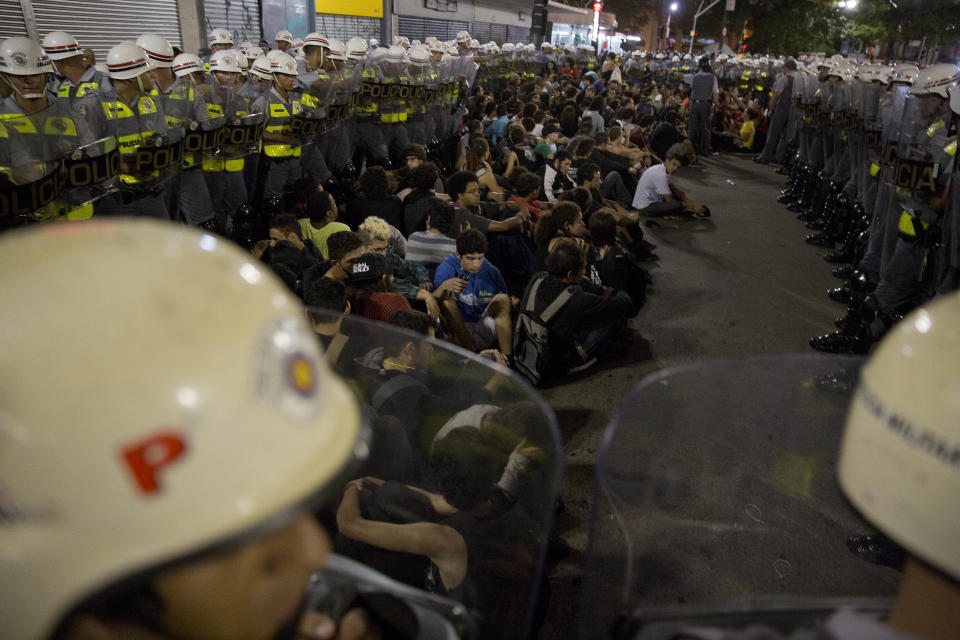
[597, 6]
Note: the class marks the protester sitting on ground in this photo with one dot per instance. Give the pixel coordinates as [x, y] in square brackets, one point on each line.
[422, 181]
[345, 248]
[374, 199]
[414, 156]
[526, 190]
[640, 136]
[410, 279]
[327, 301]
[475, 299]
[478, 162]
[548, 146]
[610, 264]
[565, 221]
[656, 196]
[373, 294]
[667, 133]
[498, 127]
[284, 227]
[464, 190]
[593, 113]
[555, 180]
[431, 247]
[321, 221]
[285, 259]
[474, 127]
[587, 321]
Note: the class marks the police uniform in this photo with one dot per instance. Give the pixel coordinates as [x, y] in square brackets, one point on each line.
[775, 147]
[703, 88]
[280, 160]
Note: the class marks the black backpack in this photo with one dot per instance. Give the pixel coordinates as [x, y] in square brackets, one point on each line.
[531, 348]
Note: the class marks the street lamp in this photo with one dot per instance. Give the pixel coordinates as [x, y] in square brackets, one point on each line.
[673, 7]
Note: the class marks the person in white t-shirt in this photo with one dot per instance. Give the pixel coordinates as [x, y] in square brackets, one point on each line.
[655, 196]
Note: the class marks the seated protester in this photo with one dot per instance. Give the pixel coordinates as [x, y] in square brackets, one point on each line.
[410, 279]
[431, 247]
[284, 259]
[498, 127]
[667, 133]
[618, 176]
[548, 146]
[422, 181]
[555, 180]
[386, 232]
[478, 162]
[284, 227]
[328, 298]
[345, 248]
[526, 190]
[565, 221]
[374, 199]
[586, 322]
[747, 137]
[373, 296]
[474, 127]
[594, 115]
[569, 121]
[513, 149]
[414, 155]
[640, 135]
[475, 300]
[618, 144]
[612, 266]
[464, 191]
[321, 221]
[655, 196]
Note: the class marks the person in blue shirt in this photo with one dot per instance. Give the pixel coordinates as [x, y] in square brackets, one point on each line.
[474, 293]
[498, 128]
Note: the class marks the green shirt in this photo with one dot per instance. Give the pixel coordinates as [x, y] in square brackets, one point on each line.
[319, 236]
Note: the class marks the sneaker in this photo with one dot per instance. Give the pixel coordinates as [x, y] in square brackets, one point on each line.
[582, 367]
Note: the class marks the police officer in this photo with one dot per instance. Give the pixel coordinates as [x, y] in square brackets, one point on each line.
[284, 40]
[149, 153]
[281, 148]
[212, 457]
[703, 94]
[220, 40]
[775, 148]
[79, 78]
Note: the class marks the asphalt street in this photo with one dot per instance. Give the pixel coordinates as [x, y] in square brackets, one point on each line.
[738, 284]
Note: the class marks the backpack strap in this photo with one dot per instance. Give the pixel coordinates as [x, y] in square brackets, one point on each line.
[533, 295]
[557, 304]
[333, 352]
[391, 387]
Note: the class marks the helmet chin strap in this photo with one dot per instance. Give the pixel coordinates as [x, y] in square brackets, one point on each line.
[140, 84]
[25, 96]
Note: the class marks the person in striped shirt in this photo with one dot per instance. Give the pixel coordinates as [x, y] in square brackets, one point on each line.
[431, 247]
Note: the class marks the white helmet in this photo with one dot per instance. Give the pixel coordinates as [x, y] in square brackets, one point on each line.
[283, 63]
[60, 45]
[126, 61]
[228, 61]
[722, 57]
[419, 55]
[396, 54]
[898, 458]
[220, 36]
[316, 40]
[935, 79]
[253, 53]
[242, 61]
[463, 37]
[473, 44]
[401, 41]
[453, 51]
[374, 43]
[508, 47]
[111, 469]
[437, 47]
[546, 45]
[261, 68]
[158, 50]
[906, 73]
[185, 64]
[21, 56]
[338, 50]
[356, 48]
[954, 92]
[243, 46]
[687, 56]
[284, 36]
[675, 59]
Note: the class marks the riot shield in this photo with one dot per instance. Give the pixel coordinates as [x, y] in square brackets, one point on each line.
[716, 498]
[458, 443]
[31, 180]
[311, 122]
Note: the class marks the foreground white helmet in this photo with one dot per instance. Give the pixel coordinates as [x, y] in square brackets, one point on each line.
[284, 36]
[356, 48]
[935, 79]
[59, 45]
[21, 56]
[338, 50]
[158, 50]
[898, 459]
[111, 469]
[283, 63]
[185, 64]
[220, 36]
[226, 61]
[126, 61]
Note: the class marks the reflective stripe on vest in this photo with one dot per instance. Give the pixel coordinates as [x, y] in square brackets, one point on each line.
[278, 111]
[78, 91]
[129, 136]
[906, 227]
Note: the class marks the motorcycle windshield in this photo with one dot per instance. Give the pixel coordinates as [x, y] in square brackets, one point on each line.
[716, 486]
[463, 451]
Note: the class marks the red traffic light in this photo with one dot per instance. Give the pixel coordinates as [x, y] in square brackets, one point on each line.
[597, 6]
[744, 47]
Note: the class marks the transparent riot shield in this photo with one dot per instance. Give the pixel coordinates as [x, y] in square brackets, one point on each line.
[31, 177]
[870, 163]
[460, 445]
[717, 503]
[310, 122]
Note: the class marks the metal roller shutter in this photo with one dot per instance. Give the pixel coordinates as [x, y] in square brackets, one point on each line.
[346, 27]
[519, 35]
[480, 31]
[498, 33]
[99, 26]
[11, 20]
[239, 17]
[421, 28]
